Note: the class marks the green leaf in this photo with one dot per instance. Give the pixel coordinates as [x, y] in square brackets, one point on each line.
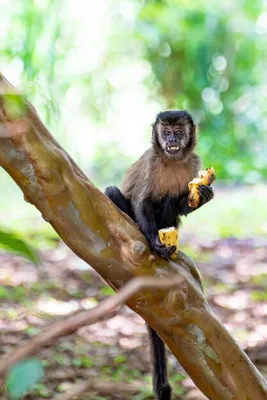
[77, 362]
[83, 361]
[22, 377]
[14, 244]
[4, 293]
[106, 291]
[87, 361]
[120, 359]
[42, 390]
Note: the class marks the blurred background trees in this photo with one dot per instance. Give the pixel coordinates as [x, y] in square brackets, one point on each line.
[98, 74]
[114, 65]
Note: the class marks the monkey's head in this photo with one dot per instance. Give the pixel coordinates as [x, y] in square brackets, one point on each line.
[174, 134]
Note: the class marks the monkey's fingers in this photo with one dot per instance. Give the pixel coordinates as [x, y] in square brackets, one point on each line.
[204, 178]
[208, 176]
[206, 194]
[165, 251]
[170, 250]
[158, 243]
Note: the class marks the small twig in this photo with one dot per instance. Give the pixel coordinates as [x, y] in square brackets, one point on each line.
[71, 324]
[67, 374]
[103, 388]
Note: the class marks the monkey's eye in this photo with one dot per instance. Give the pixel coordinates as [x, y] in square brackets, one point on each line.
[178, 132]
[166, 133]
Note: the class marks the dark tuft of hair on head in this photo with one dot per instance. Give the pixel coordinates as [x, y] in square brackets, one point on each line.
[172, 116]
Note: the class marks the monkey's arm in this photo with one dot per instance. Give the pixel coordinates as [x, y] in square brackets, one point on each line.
[206, 194]
[145, 217]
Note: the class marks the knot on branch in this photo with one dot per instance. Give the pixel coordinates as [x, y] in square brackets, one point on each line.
[138, 248]
[131, 250]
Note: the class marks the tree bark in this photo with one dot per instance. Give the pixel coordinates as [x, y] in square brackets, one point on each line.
[112, 244]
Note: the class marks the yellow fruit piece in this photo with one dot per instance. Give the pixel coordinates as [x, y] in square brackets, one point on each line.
[169, 237]
[204, 178]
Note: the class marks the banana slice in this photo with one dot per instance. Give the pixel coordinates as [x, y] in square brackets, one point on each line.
[169, 237]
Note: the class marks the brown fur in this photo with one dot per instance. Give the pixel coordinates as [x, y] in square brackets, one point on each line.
[155, 177]
[156, 174]
[172, 177]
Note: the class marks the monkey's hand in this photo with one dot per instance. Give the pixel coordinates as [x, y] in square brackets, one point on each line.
[205, 178]
[205, 194]
[161, 249]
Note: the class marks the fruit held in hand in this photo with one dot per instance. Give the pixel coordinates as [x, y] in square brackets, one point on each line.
[204, 178]
[169, 237]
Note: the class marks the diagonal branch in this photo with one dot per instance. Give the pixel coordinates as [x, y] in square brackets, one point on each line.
[109, 241]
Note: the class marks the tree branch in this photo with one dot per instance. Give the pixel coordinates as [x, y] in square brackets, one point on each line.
[109, 241]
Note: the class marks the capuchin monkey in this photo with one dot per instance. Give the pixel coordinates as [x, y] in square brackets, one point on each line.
[154, 193]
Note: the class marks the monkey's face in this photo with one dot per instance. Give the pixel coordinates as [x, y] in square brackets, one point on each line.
[174, 138]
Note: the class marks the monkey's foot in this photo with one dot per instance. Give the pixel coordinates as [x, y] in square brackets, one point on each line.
[169, 237]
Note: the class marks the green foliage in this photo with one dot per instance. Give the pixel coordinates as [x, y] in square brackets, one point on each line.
[120, 359]
[108, 164]
[16, 293]
[210, 62]
[106, 291]
[22, 377]
[258, 295]
[34, 46]
[83, 361]
[42, 390]
[175, 381]
[11, 242]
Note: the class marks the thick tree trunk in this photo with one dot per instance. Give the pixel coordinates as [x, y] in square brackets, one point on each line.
[109, 241]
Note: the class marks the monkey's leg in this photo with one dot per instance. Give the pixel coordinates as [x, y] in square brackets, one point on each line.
[115, 195]
[145, 217]
[161, 387]
[167, 216]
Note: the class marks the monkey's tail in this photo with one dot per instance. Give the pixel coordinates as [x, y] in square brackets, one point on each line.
[161, 386]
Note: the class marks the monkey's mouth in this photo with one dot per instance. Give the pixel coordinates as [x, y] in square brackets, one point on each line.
[172, 149]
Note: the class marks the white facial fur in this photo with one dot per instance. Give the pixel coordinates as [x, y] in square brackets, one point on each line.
[178, 137]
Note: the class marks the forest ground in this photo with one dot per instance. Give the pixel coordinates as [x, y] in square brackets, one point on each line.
[234, 274]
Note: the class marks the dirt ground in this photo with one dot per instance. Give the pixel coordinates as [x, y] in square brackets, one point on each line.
[234, 273]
